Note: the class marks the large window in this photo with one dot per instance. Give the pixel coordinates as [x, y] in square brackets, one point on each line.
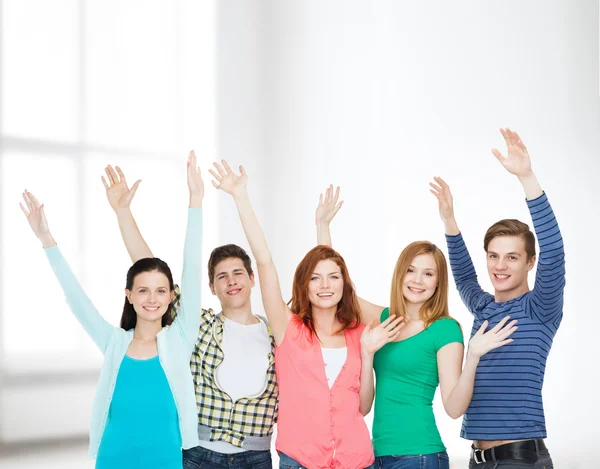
[85, 84]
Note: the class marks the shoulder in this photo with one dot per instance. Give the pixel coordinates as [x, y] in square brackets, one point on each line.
[384, 314]
[446, 327]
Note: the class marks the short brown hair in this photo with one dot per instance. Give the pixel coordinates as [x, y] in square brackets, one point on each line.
[435, 307]
[511, 227]
[348, 311]
[227, 251]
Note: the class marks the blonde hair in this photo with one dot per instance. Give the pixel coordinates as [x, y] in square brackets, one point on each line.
[435, 307]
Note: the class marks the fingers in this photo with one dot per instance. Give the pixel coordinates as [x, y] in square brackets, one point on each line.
[121, 175]
[134, 188]
[320, 200]
[104, 182]
[483, 327]
[24, 210]
[242, 171]
[35, 201]
[498, 155]
[388, 320]
[337, 195]
[218, 177]
[217, 186]
[112, 175]
[500, 325]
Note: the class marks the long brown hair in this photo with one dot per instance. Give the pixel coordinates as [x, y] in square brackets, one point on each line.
[435, 307]
[348, 311]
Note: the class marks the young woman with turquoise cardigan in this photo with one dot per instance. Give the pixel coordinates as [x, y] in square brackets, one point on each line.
[144, 411]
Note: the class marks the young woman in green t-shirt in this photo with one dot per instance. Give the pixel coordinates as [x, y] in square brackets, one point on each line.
[429, 351]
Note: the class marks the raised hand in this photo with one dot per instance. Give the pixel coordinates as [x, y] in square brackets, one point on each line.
[328, 206]
[194, 179]
[118, 193]
[482, 342]
[441, 190]
[517, 161]
[373, 338]
[227, 180]
[37, 219]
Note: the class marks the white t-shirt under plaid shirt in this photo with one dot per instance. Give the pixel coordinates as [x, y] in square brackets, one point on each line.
[244, 422]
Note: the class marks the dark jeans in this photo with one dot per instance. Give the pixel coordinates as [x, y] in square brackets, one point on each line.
[414, 461]
[544, 461]
[199, 457]
[285, 462]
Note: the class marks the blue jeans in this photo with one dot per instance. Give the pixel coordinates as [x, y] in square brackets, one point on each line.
[414, 461]
[202, 458]
[285, 462]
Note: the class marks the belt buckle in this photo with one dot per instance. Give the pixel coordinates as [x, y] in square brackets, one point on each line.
[475, 452]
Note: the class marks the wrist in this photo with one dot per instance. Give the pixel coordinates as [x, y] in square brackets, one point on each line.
[526, 176]
[196, 200]
[47, 241]
[240, 196]
[472, 358]
[367, 355]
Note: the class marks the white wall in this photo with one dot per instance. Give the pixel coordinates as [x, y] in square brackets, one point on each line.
[380, 96]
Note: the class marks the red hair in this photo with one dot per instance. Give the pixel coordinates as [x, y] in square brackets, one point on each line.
[348, 311]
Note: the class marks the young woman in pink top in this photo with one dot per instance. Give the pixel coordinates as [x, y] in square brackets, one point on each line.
[323, 354]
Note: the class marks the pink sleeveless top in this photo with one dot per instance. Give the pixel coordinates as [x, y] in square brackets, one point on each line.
[317, 426]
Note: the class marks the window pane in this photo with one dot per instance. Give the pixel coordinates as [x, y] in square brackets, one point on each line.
[35, 317]
[40, 87]
[131, 66]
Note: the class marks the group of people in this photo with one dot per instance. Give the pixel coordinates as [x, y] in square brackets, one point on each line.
[182, 386]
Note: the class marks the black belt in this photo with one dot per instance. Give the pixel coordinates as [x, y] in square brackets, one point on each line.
[527, 450]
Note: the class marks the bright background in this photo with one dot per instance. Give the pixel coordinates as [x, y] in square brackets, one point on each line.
[375, 96]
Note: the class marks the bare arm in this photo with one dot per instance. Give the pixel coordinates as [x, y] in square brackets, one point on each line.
[120, 196]
[456, 386]
[326, 210]
[371, 340]
[276, 309]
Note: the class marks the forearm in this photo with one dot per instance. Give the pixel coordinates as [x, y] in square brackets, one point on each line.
[195, 200]
[47, 241]
[451, 227]
[134, 242]
[323, 234]
[458, 400]
[252, 230]
[531, 186]
[367, 384]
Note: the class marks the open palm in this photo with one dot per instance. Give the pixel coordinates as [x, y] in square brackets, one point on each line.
[373, 338]
[517, 161]
[441, 190]
[118, 193]
[36, 217]
[227, 180]
[328, 206]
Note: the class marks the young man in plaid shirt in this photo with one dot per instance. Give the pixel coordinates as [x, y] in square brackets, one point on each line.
[233, 363]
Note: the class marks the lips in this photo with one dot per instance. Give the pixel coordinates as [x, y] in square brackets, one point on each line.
[416, 290]
[234, 291]
[151, 309]
[501, 276]
[324, 295]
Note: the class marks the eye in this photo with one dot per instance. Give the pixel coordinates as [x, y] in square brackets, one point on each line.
[162, 292]
[492, 256]
[238, 273]
[429, 274]
[314, 278]
[334, 277]
[220, 277]
[513, 258]
[410, 270]
[142, 290]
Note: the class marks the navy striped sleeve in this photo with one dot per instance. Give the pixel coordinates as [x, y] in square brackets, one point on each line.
[546, 299]
[465, 276]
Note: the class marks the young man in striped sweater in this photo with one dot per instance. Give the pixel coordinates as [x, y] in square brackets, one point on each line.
[505, 419]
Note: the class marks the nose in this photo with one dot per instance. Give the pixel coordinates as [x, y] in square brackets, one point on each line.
[231, 281]
[501, 264]
[152, 298]
[324, 283]
[419, 279]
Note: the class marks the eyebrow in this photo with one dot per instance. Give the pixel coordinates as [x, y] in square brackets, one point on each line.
[512, 253]
[234, 271]
[428, 268]
[330, 273]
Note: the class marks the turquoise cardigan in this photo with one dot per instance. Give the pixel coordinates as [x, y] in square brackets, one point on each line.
[175, 343]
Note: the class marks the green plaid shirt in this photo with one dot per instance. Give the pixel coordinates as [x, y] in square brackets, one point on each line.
[229, 421]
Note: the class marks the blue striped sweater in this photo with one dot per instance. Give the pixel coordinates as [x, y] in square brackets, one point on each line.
[507, 397]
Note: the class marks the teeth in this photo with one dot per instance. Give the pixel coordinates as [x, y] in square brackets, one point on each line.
[501, 276]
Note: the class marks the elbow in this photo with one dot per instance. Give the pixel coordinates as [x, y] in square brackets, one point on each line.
[455, 413]
[364, 410]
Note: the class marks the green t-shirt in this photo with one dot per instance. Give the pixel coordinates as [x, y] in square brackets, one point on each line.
[406, 378]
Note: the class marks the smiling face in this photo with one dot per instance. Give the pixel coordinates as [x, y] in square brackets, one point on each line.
[421, 279]
[326, 285]
[508, 266]
[232, 284]
[150, 295]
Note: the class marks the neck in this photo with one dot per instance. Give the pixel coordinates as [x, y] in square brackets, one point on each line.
[147, 330]
[242, 315]
[325, 320]
[502, 296]
[412, 311]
